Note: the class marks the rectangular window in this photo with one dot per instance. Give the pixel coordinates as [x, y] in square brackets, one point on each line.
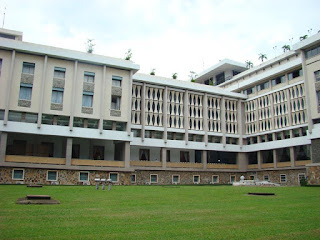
[301, 176]
[84, 176]
[59, 73]
[113, 177]
[116, 81]
[28, 68]
[25, 91]
[57, 95]
[153, 178]
[278, 80]
[115, 103]
[62, 120]
[313, 52]
[184, 156]
[52, 175]
[168, 155]
[249, 91]
[0, 66]
[295, 74]
[263, 86]
[232, 178]
[266, 177]
[144, 155]
[87, 99]
[133, 178]
[317, 75]
[318, 95]
[251, 177]
[215, 179]
[283, 178]
[196, 179]
[175, 179]
[18, 174]
[89, 77]
[93, 123]
[31, 117]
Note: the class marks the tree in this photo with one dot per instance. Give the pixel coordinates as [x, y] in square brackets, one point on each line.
[153, 71]
[128, 54]
[249, 64]
[192, 76]
[90, 45]
[303, 37]
[262, 57]
[286, 48]
[174, 75]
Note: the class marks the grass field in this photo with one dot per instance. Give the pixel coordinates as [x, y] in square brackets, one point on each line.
[161, 212]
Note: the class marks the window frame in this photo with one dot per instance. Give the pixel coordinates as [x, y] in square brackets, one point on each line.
[218, 179]
[156, 177]
[193, 178]
[88, 176]
[117, 176]
[135, 178]
[29, 66]
[233, 176]
[17, 169]
[140, 154]
[266, 178]
[173, 176]
[301, 174]
[47, 178]
[285, 178]
[58, 90]
[59, 70]
[27, 87]
[87, 76]
[87, 94]
[116, 105]
[116, 79]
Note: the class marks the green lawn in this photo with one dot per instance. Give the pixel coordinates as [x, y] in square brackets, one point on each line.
[161, 212]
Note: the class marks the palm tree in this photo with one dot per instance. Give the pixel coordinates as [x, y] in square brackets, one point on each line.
[286, 48]
[128, 54]
[262, 57]
[153, 71]
[303, 37]
[174, 75]
[249, 64]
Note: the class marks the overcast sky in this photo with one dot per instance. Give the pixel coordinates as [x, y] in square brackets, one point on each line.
[168, 35]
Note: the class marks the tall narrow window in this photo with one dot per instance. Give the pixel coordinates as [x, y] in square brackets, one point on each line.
[116, 81]
[0, 66]
[28, 68]
[25, 91]
[87, 99]
[115, 103]
[57, 95]
[89, 77]
[317, 75]
[59, 73]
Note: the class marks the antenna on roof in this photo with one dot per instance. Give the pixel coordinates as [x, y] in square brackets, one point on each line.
[4, 16]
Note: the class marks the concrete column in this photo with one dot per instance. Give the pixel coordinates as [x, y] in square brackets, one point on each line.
[306, 90]
[73, 94]
[3, 146]
[42, 87]
[6, 111]
[292, 156]
[257, 113]
[289, 106]
[204, 159]
[165, 114]
[205, 118]
[129, 104]
[127, 154]
[143, 111]
[223, 120]
[272, 111]
[164, 157]
[242, 161]
[241, 122]
[260, 160]
[275, 158]
[69, 151]
[186, 115]
[102, 103]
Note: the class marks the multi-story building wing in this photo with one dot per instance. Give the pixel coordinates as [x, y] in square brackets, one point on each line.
[68, 117]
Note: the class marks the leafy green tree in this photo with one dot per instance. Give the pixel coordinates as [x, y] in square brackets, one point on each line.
[153, 71]
[174, 75]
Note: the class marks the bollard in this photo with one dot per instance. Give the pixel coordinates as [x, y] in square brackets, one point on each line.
[103, 182]
[109, 181]
[97, 180]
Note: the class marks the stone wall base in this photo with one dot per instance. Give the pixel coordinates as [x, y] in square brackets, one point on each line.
[313, 175]
[71, 177]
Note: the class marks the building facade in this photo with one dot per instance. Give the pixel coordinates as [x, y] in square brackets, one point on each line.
[68, 117]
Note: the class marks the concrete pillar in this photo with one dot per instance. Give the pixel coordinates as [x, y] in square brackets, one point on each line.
[69, 151]
[3, 146]
[260, 159]
[165, 114]
[186, 115]
[204, 159]
[143, 111]
[223, 121]
[271, 110]
[288, 105]
[306, 90]
[242, 161]
[43, 84]
[73, 94]
[275, 158]
[205, 118]
[6, 111]
[102, 105]
[241, 122]
[129, 104]
[164, 157]
[127, 154]
[292, 156]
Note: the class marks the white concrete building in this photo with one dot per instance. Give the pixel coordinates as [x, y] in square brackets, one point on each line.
[67, 117]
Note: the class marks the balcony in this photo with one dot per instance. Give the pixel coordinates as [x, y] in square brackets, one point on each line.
[33, 159]
[145, 164]
[184, 165]
[97, 163]
[222, 166]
